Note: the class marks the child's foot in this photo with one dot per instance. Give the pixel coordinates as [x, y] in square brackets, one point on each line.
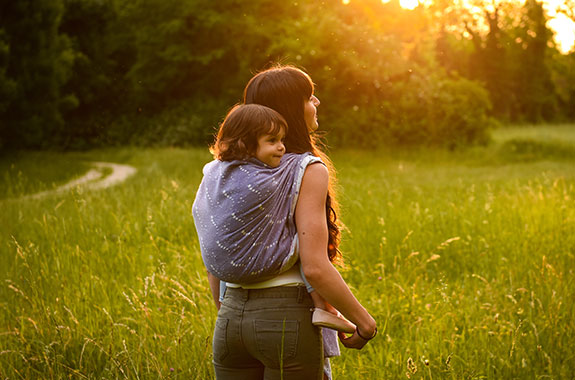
[326, 319]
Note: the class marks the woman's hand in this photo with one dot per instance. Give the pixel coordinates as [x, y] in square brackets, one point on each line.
[352, 341]
[357, 341]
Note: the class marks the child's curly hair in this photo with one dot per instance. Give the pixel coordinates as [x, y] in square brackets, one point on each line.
[237, 138]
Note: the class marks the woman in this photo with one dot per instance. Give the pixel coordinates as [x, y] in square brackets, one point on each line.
[264, 330]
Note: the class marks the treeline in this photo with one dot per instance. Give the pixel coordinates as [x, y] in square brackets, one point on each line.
[83, 73]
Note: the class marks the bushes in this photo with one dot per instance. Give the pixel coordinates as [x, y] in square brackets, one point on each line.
[181, 126]
[527, 149]
[425, 109]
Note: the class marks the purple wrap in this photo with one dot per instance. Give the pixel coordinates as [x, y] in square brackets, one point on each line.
[244, 216]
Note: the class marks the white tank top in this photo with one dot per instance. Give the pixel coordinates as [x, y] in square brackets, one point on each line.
[291, 277]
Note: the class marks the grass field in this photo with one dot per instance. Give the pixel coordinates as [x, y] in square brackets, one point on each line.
[465, 258]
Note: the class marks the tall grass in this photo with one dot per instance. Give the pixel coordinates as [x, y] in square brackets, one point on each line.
[466, 260]
[32, 172]
[466, 264]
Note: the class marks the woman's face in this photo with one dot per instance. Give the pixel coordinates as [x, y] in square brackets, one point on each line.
[310, 113]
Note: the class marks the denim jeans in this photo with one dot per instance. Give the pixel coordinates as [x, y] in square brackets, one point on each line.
[267, 334]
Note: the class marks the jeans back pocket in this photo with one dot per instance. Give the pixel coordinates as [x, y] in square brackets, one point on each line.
[220, 343]
[276, 340]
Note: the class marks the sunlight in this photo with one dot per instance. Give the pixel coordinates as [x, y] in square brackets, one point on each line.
[564, 29]
[409, 4]
[562, 26]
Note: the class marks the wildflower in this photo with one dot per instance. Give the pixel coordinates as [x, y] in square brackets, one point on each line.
[411, 366]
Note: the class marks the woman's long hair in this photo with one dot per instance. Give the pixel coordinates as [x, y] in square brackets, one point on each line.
[286, 89]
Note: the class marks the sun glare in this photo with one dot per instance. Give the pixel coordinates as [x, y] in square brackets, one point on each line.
[406, 4]
[564, 32]
[409, 4]
[562, 26]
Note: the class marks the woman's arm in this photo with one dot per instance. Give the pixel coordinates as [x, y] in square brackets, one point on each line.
[313, 238]
[215, 288]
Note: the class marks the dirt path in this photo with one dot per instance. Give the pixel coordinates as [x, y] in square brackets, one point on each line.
[94, 179]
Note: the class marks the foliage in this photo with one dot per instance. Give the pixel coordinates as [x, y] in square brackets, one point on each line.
[103, 56]
[537, 90]
[563, 76]
[36, 65]
[439, 111]
[81, 73]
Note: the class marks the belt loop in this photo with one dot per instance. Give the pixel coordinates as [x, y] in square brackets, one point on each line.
[300, 294]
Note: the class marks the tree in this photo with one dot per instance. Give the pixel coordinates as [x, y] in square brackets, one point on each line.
[490, 61]
[103, 54]
[536, 90]
[38, 64]
[7, 85]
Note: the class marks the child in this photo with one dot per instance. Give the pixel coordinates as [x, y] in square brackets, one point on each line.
[255, 132]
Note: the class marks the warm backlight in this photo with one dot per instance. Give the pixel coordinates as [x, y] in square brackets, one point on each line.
[561, 25]
[409, 4]
[564, 29]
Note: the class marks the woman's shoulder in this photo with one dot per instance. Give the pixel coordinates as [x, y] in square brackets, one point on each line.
[319, 173]
[314, 185]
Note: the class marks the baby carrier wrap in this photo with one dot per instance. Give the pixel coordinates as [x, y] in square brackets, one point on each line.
[244, 216]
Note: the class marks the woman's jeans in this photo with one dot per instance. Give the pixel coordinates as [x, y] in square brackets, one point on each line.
[267, 334]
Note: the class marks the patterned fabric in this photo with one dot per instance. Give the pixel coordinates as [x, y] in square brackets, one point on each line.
[244, 216]
[330, 345]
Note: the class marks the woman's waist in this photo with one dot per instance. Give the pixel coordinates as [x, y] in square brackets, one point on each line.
[274, 292]
[260, 300]
[290, 278]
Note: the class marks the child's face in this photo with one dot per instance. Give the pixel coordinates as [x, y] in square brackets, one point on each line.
[271, 148]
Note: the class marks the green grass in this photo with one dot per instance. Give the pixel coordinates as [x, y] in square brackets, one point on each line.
[465, 258]
[32, 172]
[560, 132]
